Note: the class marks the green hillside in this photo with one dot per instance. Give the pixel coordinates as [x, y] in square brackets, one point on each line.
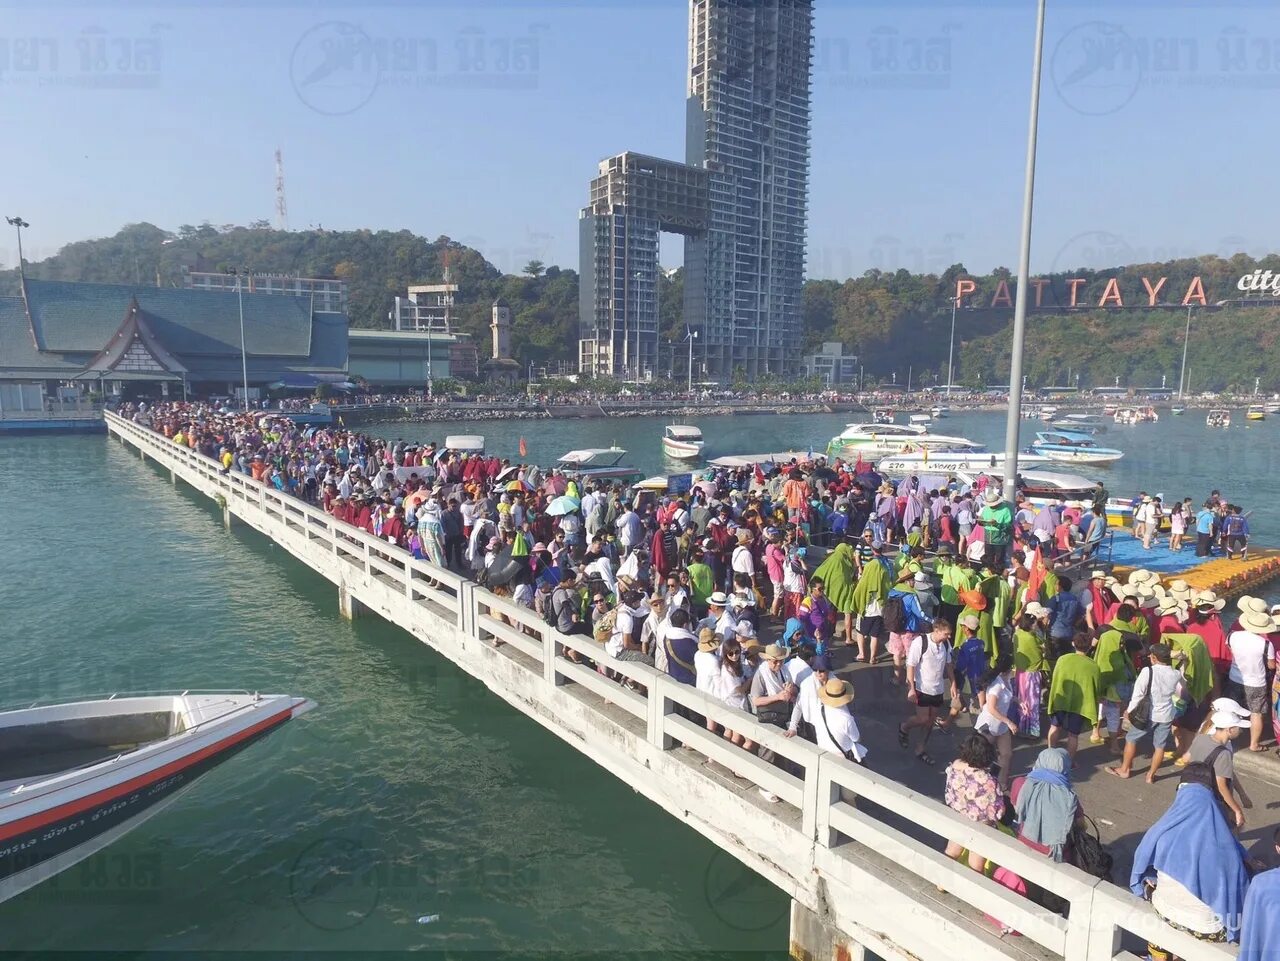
[893, 320]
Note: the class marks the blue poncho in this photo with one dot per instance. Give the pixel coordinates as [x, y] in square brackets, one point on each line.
[1260, 935]
[1192, 844]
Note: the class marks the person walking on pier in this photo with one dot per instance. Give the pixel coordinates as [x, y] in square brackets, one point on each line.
[1074, 692]
[931, 683]
[1158, 687]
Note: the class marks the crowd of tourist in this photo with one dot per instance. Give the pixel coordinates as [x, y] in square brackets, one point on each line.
[718, 588]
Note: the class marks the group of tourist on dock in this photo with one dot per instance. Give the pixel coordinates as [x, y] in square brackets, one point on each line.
[959, 588]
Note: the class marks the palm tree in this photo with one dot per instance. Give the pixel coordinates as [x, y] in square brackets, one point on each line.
[534, 268]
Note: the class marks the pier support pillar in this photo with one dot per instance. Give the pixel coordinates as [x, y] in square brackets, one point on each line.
[173, 478]
[227, 517]
[348, 606]
[813, 938]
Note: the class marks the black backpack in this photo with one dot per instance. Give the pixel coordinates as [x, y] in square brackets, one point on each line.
[1087, 850]
[895, 615]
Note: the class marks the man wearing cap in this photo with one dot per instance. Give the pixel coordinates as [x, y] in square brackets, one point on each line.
[1215, 749]
[719, 616]
[1252, 657]
[1163, 684]
[997, 526]
[804, 713]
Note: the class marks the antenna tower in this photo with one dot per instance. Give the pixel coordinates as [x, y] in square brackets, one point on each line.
[282, 208]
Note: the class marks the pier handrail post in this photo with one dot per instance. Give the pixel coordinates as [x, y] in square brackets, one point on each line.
[659, 708]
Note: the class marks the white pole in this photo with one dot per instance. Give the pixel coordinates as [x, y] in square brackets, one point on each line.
[1186, 339]
[1013, 421]
[244, 356]
[951, 349]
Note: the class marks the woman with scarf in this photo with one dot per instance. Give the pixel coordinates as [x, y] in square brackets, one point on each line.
[838, 575]
[1191, 866]
[1046, 805]
[868, 599]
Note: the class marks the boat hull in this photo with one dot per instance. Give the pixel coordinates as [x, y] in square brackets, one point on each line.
[681, 449]
[82, 818]
[1080, 456]
[944, 463]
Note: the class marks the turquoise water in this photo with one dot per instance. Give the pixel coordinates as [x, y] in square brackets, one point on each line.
[410, 792]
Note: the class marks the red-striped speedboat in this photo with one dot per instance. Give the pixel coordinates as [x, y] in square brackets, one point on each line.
[76, 776]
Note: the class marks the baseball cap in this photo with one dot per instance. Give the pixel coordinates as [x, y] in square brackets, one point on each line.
[1222, 720]
[970, 621]
[1226, 705]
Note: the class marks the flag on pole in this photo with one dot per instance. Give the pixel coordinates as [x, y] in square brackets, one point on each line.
[524, 448]
[1035, 578]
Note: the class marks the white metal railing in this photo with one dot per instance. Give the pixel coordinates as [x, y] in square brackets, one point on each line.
[665, 713]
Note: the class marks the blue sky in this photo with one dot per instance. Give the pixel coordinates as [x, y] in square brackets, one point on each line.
[485, 121]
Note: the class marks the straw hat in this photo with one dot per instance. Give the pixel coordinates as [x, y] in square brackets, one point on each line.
[992, 495]
[836, 693]
[1258, 622]
[1143, 577]
[1171, 605]
[718, 599]
[1209, 599]
[1036, 609]
[1180, 589]
[1255, 604]
[744, 629]
[774, 652]
[1097, 575]
[707, 640]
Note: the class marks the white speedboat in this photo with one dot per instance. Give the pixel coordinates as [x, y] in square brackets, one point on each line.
[873, 441]
[1042, 487]
[1088, 423]
[921, 420]
[1072, 447]
[76, 776]
[1218, 417]
[598, 463]
[974, 458]
[939, 412]
[1136, 415]
[465, 443]
[682, 442]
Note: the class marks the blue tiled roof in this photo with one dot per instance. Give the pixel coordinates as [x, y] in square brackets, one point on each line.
[71, 317]
[18, 350]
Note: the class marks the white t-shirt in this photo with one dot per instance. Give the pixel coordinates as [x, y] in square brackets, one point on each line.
[743, 562]
[930, 661]
[727, 685]
[1249, 657]
[706, 666]
[842, 727]
[999, 696]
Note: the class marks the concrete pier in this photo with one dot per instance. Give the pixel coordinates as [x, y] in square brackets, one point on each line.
[864, 878]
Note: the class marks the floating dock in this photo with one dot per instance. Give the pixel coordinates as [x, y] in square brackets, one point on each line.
[1226, 577]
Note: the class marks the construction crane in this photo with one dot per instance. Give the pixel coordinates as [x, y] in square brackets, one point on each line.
[282, 208]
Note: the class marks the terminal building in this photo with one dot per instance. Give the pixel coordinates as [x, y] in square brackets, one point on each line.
[132, 339]
[740, 200]
[328, 294]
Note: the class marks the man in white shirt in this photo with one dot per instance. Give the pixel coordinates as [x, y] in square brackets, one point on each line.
[805, 711]
[836, 729]
[930, 679]
[742, 561]
[1163, 682]
[1251, 657]
[629, 530]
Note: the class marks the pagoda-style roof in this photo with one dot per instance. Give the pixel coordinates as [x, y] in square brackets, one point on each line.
[135, 353]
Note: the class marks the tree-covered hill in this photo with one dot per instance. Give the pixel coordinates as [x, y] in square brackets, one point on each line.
[894, 321]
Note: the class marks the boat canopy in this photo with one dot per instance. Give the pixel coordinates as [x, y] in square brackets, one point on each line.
[683, 432]
[468, 443]
[593, 457]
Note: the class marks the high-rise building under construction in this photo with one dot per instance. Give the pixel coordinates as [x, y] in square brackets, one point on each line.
[740, 200]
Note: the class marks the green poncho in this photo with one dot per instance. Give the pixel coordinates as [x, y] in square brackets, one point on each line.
[986, 631]
[838, 574]
[1198, 667]
[998, 594]
[955, 578]
[1028, 652]
[703, 582]
[1076, 686]
[1112, 658]
[875, 582]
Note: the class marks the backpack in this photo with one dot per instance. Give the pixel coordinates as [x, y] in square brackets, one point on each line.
[895, 615]
[550, 612]
[1087, 850]
[605, 626]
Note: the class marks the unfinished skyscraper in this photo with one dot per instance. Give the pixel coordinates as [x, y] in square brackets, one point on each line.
[739, 200]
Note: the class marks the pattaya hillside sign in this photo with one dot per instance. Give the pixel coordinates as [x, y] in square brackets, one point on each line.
[1078, 294]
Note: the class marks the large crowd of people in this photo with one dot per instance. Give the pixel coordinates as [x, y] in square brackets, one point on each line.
[964, 592]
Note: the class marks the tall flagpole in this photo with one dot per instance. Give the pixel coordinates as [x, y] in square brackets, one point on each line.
[1014, 420]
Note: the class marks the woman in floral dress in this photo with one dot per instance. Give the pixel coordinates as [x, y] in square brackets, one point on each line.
[972, 791]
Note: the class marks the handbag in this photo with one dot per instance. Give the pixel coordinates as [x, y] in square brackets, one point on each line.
[1140, 713]
[849, 755]
[1087, 850]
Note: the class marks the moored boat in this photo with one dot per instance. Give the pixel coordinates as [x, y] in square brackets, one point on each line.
[1256, 412]
[76, 776]
[921, 420]
[598, 463]
[951, 461]
[879, 440]
[1218, 417]
[465, 443]
[1074, 447]
[682, 442]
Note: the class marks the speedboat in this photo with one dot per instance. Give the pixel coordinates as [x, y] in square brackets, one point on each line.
[874, 441]
[78, 775]
[465, 443]
[950, 461]
[940, 412]
[1256, 412]
[1136, 415]
[1218, 417]
[1176, 411]
[739, 461]
[1092, 423]
[882, 415]
[682, 442]
[921, 420]
[598, 463]
[1048, 412]
[1041, 487]
[1072, 446]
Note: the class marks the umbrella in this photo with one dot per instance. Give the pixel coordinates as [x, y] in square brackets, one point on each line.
[824, 473]
[416, 498]
[519, 485]
[555, 485]
[563, 505]
[502, 570]
[507, 472]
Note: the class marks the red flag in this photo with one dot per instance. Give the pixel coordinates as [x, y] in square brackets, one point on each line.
[759, 475]
[1036, 577]
[860, 466]
[524, 448]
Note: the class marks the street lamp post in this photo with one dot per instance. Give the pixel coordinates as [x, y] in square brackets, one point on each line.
[238, 272]
[951, 349]
[689, 337]
[1013, 422]
[17, 223]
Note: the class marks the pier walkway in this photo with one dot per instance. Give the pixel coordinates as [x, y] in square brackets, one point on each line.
[868, 876]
